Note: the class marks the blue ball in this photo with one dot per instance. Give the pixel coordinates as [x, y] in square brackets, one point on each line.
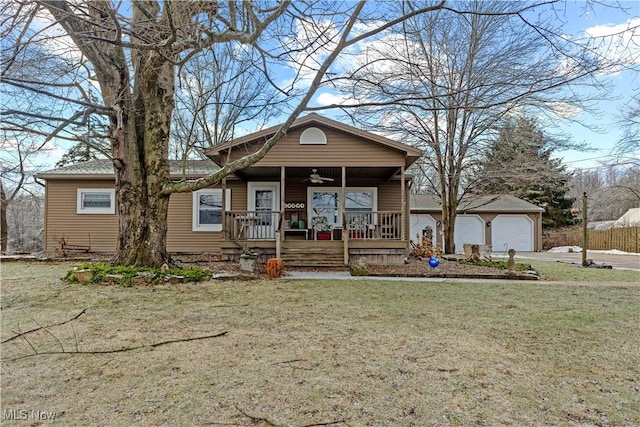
[434, 262]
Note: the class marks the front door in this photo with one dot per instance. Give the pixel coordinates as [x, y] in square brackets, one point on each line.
[264, 202]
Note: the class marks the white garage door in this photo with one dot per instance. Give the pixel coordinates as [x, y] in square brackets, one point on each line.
[469, 229]
[512, 232]
[418, 223]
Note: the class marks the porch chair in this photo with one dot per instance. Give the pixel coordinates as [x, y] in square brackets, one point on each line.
[360, 228]
[320, 224]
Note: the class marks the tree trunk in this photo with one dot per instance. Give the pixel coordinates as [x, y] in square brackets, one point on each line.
[448, 224]
[3, 219]
[142, 168]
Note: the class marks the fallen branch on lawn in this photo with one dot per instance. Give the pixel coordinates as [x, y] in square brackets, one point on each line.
[328, 423]
[121, 350]
[289, 361]
[22, 334]
[255, 419]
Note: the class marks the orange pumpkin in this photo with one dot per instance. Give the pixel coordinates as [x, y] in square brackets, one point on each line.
[274, 267]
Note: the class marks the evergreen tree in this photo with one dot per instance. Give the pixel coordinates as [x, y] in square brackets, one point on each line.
[519, 162]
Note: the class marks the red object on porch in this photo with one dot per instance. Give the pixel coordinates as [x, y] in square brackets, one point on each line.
[324, 236]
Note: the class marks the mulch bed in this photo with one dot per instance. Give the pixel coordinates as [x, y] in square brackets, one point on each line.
[412, 268]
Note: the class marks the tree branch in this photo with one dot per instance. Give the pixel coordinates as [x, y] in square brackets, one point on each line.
[44, 327]
[119, 350]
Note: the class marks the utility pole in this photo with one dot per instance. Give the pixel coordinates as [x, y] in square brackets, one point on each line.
[585, 235]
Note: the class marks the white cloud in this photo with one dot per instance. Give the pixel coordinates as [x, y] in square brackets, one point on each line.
[326, 98]
[314, 41]
[617, 42]
[54, 38]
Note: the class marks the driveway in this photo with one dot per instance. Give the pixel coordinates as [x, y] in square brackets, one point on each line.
[621, 262]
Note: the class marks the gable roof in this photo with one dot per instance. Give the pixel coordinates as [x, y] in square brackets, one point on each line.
[475, 203]
[103, 168]
[412, 153]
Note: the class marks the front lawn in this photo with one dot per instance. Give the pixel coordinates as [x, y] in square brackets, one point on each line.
[562, 271]
[303, 353]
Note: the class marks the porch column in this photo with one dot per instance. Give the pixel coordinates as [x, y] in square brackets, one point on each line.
[279, 232]
[345, 232]
[403, 217]
[224, 207]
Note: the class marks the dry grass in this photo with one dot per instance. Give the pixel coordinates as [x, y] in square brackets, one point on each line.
[320, 352]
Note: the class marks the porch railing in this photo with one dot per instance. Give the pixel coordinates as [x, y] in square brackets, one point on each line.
[262, 225]
[251, 225]
[384, 225]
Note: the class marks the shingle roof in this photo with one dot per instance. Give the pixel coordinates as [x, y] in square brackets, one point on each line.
[103, 168]
[484, 203]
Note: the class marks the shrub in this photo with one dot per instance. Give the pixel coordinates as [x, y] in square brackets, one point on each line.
[502, 265]
[568, 236]
[129, 274]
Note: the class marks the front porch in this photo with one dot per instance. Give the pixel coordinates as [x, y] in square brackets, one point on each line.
[376, 235]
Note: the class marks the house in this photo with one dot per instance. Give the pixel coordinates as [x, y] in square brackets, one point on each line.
[326, 194]
[631, 218]
[502, 221]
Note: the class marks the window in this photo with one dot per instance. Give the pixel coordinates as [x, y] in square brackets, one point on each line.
[207, 209]
[314, 136]
[326, 202]
[96, 201]
[359, 201]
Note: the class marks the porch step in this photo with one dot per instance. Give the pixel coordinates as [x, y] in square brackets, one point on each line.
[327, 254]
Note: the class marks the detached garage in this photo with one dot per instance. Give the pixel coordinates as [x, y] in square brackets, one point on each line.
[502, 221]
[469, 229]
[512, 231]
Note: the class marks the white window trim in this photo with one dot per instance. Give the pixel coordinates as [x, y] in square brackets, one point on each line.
[99, 211]
[196, 226]
[311, 190]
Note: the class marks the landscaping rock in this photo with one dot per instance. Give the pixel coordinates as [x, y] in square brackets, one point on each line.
[83, 276]
[359, 268]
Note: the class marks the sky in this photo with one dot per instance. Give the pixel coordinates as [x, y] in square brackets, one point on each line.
[577, 21]
[600, 131]
[602, 21]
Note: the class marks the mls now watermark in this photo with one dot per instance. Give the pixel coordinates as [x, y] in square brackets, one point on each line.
[28, 415]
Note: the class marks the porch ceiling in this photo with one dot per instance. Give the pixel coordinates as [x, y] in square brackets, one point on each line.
[273, 172]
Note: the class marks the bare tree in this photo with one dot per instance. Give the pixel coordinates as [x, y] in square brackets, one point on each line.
[25, 219]
[448, 79]
[630, 124]
[134, 55]
[612, 189]
[17, 168]
[219, 92]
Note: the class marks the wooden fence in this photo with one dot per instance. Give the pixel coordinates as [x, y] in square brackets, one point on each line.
[623, 239]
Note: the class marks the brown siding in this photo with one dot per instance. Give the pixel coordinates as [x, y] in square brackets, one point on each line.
[99, 231]
[180, 234]
[340, 150]
[389, 196]
[102, 230]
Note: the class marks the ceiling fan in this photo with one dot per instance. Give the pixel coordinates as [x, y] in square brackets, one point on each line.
[315, 178]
